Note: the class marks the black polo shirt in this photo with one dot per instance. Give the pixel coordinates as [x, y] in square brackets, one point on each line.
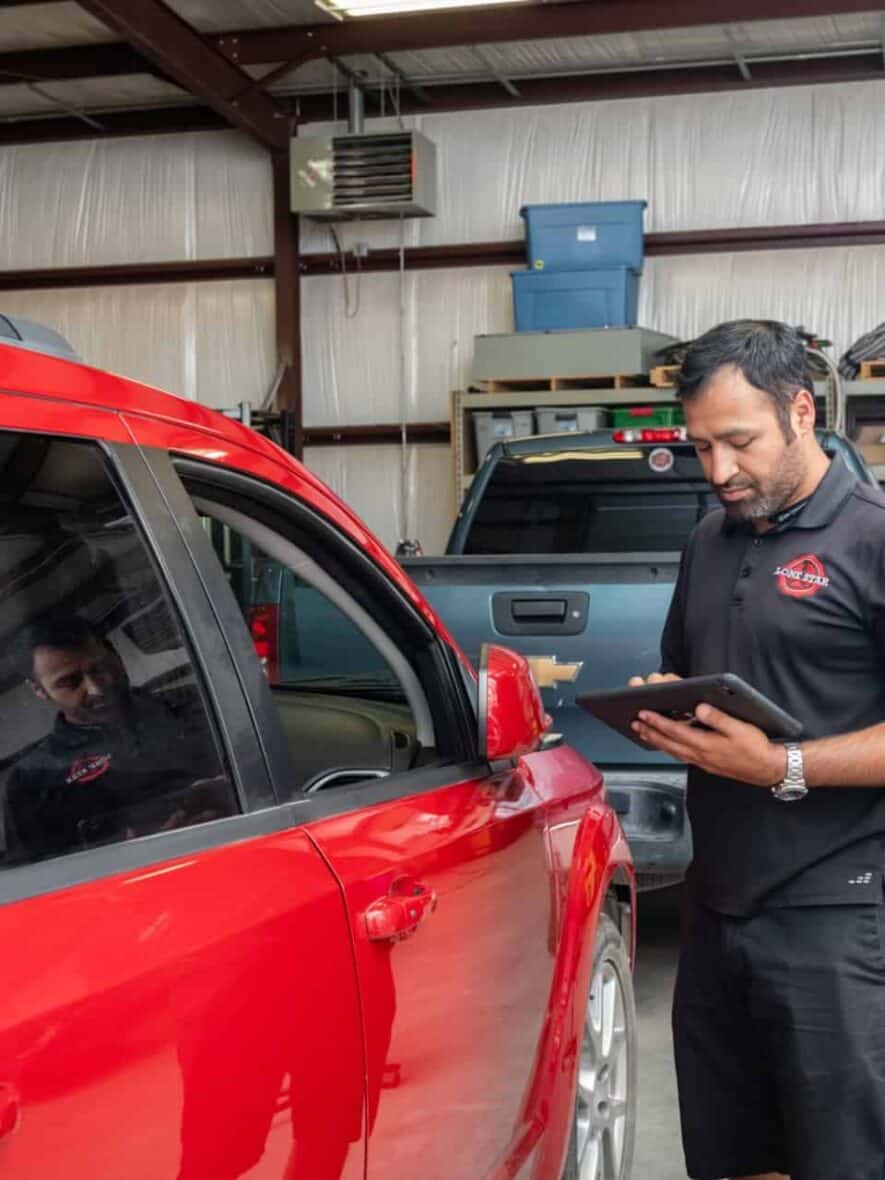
[85, 785]
[799, 613]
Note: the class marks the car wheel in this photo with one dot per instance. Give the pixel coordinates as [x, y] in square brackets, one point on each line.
[604, 1124]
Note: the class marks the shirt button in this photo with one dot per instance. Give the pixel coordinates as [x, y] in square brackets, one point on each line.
[757, 540]
[746, 571]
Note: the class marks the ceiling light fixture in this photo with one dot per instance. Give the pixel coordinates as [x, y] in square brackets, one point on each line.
[348, 8]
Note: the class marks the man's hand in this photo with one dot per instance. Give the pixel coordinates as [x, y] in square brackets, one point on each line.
[727, 747]
[655, 678]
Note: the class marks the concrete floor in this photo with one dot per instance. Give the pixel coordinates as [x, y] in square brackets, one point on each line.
[658, 1146]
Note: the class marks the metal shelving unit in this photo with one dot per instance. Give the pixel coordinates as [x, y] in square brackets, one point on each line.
[465, 402]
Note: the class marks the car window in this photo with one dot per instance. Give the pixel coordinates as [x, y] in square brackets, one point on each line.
[104, 733]
[591, 502]
[348, 713]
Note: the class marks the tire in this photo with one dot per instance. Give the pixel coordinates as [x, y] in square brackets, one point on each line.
[604, 1122]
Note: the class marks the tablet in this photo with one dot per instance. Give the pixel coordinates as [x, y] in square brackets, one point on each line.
[678, 700]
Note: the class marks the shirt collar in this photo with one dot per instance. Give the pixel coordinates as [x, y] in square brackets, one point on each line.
[821, 506]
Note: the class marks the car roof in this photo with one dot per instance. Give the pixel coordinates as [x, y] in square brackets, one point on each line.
[23, 370]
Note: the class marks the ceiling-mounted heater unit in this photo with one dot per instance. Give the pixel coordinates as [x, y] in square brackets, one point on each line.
[352, 177]
[356, 176]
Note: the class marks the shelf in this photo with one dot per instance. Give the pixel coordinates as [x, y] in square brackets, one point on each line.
[864, 388]
[520, 399]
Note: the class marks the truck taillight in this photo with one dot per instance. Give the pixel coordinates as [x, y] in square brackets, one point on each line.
[264, 627]
[651, 434]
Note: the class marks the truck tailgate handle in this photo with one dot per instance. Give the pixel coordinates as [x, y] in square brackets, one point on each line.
[538, 610]
[541, 612]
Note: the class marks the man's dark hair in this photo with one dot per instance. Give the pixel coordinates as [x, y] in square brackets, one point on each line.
[770, 355]
[64, 632]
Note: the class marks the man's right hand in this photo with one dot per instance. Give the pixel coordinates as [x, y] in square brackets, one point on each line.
[655, 678]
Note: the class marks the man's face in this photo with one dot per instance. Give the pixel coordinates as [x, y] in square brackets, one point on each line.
[88, 683]
[741, 446]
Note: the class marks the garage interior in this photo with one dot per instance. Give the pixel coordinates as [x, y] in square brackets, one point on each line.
[147, 215]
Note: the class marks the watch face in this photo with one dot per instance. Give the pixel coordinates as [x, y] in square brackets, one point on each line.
[789, 794]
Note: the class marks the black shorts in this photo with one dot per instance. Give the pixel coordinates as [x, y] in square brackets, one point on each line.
[779, 1031]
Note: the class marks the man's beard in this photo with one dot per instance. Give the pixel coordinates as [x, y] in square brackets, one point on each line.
[769, 497]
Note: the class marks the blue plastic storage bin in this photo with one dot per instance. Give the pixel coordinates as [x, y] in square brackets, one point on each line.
[550, 300]
[584, 235]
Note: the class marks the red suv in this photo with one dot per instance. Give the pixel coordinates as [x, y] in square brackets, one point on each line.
[363, 921]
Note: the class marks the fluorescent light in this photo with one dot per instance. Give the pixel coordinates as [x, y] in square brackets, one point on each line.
[340, 8]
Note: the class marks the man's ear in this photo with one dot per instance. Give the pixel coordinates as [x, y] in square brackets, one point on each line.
[803, 412]
[37, 690]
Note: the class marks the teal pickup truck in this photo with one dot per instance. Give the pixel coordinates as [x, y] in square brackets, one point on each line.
[568, 546]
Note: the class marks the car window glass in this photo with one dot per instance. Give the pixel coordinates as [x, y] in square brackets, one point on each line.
[568, 502]
[104, 734]
[344, 711]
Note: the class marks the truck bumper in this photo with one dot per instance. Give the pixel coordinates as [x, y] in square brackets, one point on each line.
[651, 807]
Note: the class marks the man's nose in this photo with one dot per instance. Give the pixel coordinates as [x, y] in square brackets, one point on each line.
[93, 687]
[723, 467]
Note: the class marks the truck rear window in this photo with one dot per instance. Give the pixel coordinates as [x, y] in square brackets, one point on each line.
[589, 502]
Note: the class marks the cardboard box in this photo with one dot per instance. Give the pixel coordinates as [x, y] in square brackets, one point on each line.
[871, 442]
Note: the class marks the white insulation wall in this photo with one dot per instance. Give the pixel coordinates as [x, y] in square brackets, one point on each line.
[790, 156]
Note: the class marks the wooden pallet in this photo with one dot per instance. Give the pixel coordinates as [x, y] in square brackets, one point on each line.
[558, 384]
[872, 370]
[664, 376]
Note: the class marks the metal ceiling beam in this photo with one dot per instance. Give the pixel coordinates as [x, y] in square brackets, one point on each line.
[176, 48]
[700, 79]
[523, 22]
[80, 61]
[477, 95]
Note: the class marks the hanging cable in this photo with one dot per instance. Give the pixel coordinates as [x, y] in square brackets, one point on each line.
[350, 312]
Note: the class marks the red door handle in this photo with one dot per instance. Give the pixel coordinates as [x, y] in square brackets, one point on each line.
[398, 915]
[10, 1109]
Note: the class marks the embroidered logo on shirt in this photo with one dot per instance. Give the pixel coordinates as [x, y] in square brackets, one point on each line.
[84, 770]
[802, 576]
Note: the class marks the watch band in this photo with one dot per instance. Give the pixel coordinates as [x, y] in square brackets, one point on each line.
[792, 787]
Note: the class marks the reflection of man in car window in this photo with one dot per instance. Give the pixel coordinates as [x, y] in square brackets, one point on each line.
[118, 762]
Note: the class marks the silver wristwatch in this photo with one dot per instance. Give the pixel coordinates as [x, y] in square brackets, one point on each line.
[792, 785]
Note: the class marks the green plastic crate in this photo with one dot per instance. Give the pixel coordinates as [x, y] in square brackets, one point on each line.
[647, 416]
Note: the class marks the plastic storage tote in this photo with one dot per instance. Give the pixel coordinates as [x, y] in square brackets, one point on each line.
[569, 420]
[549, 301]
[647, 416]
[588, 234]
[492, 426]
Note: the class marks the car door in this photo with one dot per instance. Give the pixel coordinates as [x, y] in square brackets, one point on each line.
[179, 997]
[442, 861]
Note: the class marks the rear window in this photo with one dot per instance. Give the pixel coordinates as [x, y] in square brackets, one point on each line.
[602, 501]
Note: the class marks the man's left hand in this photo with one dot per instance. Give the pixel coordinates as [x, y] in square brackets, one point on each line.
[726, 747]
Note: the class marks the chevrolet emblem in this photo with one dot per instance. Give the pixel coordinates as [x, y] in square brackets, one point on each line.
[548, 671]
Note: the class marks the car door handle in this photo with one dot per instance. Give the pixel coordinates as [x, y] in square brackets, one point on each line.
[538, 610]
[538, 613]
[401, 912]
[10, 1109]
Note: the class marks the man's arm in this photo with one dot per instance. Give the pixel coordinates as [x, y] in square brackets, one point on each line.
[733, 749]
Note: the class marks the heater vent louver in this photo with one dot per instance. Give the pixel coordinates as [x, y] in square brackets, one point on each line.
[345, 177]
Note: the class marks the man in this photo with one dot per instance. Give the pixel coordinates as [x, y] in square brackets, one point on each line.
[116, 760]
[779, 1009]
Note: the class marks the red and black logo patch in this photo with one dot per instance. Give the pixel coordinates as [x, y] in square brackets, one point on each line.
[802, 577]
[84, 770]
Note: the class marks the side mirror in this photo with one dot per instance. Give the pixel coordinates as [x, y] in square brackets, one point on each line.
[512, 719]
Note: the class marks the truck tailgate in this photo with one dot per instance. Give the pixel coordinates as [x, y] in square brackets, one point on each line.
[602, 610]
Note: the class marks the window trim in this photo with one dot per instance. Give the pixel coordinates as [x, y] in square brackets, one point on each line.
[439, 672]
[278, 548]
